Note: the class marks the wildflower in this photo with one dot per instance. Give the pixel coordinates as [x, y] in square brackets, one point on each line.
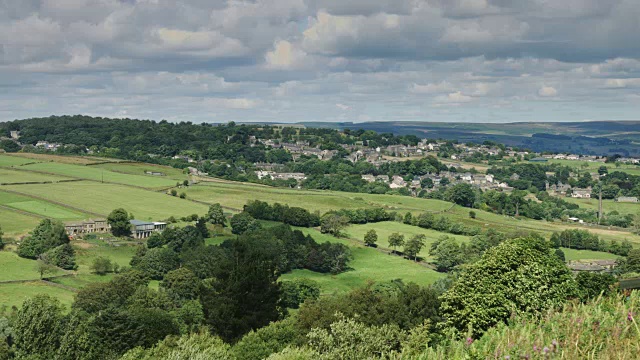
[535, 348]
[469, 341]
[507, 357]
[545, 350]
[630, 316]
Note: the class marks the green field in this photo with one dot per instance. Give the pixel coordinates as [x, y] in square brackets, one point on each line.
[236, 195]
[8, 176]
[139, 169]
[37, 207]
[15, 294]
[6, 160]
[607, 205]
[593, 166]
[573, 254]
[98, 174]
[101, 199]
[14, 223]
[369, 265]
[17, 268]
[386, 228]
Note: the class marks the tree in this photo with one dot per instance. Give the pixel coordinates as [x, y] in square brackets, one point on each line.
[157, 262]
[602, 170]
[62, 256]
[520, 275]
[182, 283]
[592, 285]
[183, 195]
[38, 327]
[185, 183]
[243, 222]
[560, 254]
[447, 253]
[44, 268]
[370, 238]
[413, 246]
[194, 346]
[174, 192]
[101, 265]
[333, 224]
[118, 219]
[472, 214]
[216, 216]
[46, 236]
[295, 292]
[461, 194]
[396, 240]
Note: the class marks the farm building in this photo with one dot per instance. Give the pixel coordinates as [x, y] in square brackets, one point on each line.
[87, 226]
[628, 199]
[143, 229]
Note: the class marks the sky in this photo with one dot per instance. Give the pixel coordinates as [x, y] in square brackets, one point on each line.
[321, 60]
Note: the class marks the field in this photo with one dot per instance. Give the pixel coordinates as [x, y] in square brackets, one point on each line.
[99, 174]
[7, 160]
[139, 169]
[573, 254]
[607, 205]
[17, 268]
[81, 160]
[8, 176]
[368, 265]
[15, 294]
[593, 166]
[100, 199]
[14, 223]
[386, 228]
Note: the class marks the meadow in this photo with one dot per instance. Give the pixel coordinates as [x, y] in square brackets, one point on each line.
[63, 159]
[594, 166]
[607, 205]
[101, 175]
[14, 223]
[100, 199]
[8, 176]
[573, 254]
[368, 265]
[10, 160]
[140, 168]
[16, 293]
[17, 268]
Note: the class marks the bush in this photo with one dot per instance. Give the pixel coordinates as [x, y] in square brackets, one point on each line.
[472, 214]
[101, 265]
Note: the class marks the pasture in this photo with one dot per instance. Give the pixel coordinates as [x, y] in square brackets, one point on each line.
[140, 168]
[17, 268]
[8, 176]
[63, 159]
[368, 265]
[10, 160]
[573, 254]
[100, 199]
[14, 223]
[607, 205]
[386, 228]
[99, 174]
[14, 294]
[593, 166]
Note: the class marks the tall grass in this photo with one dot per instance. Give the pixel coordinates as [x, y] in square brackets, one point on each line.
[607, 328]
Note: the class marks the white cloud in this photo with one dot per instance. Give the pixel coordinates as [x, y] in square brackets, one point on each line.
[285, 56]
[547, 91]
[343, 107]
[431, 88]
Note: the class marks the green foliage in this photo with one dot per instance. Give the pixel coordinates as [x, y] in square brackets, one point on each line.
[273, 338]
[396, 240]
[118, 219]
[413, 246]
[99, 296]
[198, 346]
[216, 216]
[461, 194]
[38, 327]
[243, 222]
[333, 224]
[46, 236]
[157, 262]
[447, 253]
[295, 216]
[295, 292]
[592, 285]
[370, 238]
[62, 256]
[349, 339]
[517, 276]
[560, 255]
[182, 283]
[183, 195]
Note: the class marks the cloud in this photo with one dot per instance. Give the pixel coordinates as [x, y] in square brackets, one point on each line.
[547, 91]
[343, 107]
[285, 56]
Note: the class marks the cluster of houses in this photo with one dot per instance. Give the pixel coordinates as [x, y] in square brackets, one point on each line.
[482, 181]
[139, 229]
[261, 174]
[47, 145]
[300, 148]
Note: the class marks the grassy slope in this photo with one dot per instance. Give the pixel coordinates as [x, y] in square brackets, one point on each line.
[8, 176]
[9, 160]
[17, 268]
[573, 254]
[103, 198]
[98, 174]
[386, 228]
[139, 169]
[369, 265]
[16, 294]
[607, 205]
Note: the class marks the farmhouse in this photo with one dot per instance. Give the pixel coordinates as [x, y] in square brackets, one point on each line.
[629, 199]
[581, 193]
[143, 229]
[87, 226]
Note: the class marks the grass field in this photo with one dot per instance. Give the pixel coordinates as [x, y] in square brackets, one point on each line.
[15, 294]
[607, 205]
[17, 268]
[30, 157]
[386, 228]
[98, 174]
[593, 166]
[14, 223]
[236, 195]
[8, 176]
[369, 265]
[8, 160]
[36, 207]
[573, 254]
[88, 250]
[101, 199]
[139, 169]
